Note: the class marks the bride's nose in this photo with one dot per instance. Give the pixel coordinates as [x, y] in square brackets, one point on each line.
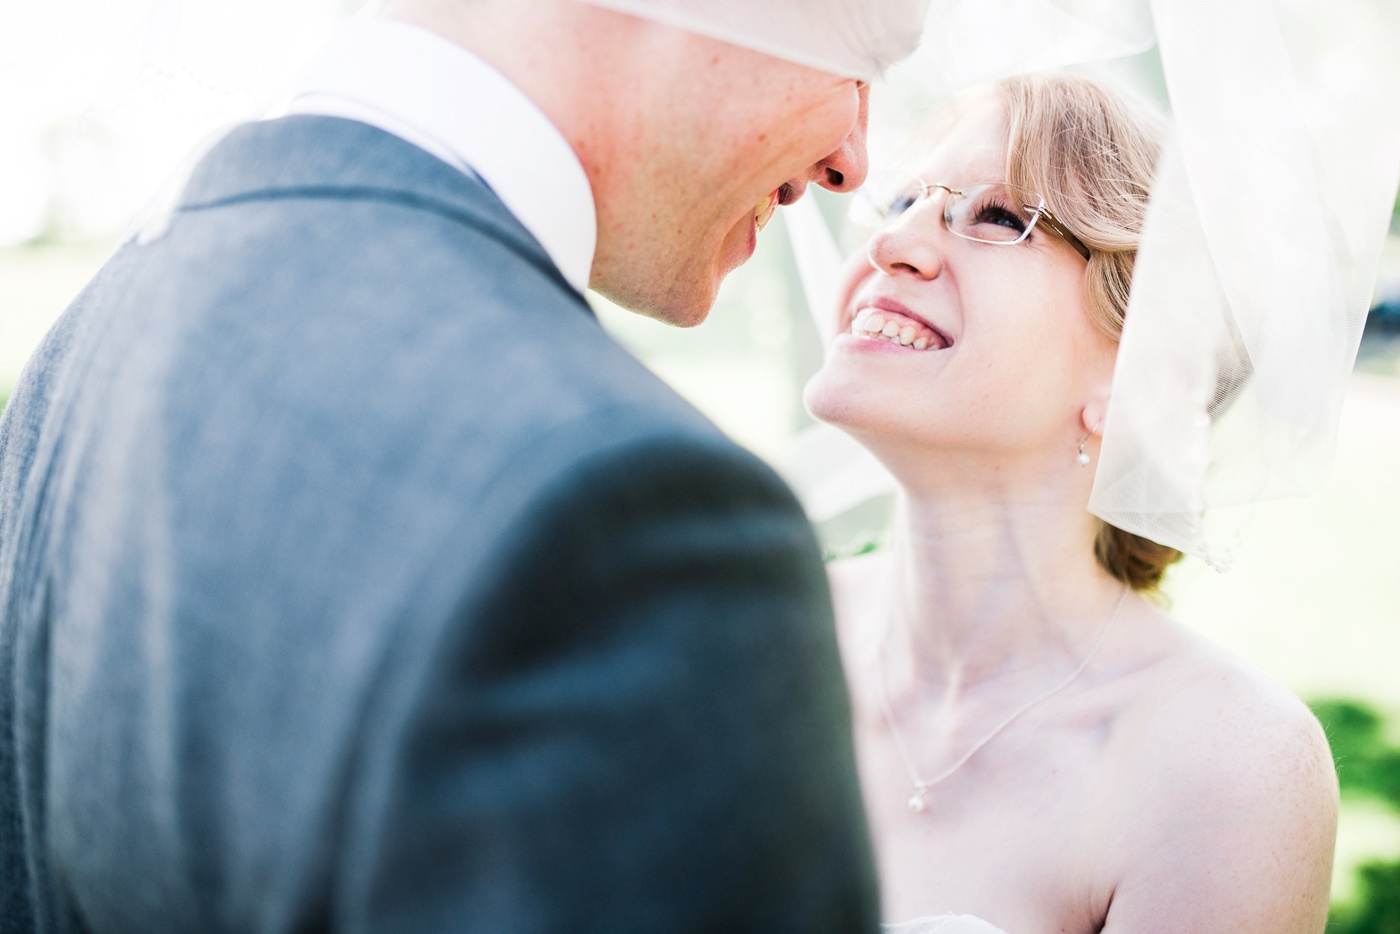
[911, 245]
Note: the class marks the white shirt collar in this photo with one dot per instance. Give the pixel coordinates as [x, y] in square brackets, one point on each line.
[433, 93]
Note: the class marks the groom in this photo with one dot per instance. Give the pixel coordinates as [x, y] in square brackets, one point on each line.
[351, 578]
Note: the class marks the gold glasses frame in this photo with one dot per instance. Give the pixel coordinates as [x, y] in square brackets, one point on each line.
[870, 207]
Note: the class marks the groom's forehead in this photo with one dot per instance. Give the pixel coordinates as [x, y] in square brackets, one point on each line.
[855, 38]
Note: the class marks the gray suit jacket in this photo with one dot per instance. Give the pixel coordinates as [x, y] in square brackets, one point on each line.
[353, 579]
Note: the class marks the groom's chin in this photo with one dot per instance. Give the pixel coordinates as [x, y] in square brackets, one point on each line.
[690, 293]
[669, 308]
[682, 298]
[674, 280]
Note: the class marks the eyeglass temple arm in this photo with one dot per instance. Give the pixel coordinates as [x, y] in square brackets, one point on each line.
[1059, 229]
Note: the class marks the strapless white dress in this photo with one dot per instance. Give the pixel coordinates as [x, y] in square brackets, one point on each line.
[943, 924]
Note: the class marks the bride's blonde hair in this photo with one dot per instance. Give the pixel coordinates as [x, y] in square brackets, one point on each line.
[1091, 154]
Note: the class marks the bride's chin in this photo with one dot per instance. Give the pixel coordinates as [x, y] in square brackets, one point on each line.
[820, 402]
[840, 406]
[838, 392]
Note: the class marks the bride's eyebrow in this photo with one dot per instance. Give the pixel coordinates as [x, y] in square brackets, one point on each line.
[955, 172]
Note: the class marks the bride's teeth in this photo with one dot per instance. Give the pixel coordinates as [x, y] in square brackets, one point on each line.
[871, 323]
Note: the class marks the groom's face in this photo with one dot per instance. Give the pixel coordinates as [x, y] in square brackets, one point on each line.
[735, 134]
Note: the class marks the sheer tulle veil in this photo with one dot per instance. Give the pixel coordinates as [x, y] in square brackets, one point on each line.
[858, 38]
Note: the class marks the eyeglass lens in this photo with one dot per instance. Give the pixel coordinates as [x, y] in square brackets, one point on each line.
[987, 213]
[979, 212]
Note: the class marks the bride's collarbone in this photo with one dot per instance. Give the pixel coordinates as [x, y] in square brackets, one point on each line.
[1031, 779]
[1031, 809]
[1061, 741]
[1036, 817]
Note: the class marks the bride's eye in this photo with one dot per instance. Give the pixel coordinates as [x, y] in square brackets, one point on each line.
[993, 213]
[903, 201]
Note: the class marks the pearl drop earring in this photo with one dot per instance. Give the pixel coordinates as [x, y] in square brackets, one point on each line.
[1083, 458]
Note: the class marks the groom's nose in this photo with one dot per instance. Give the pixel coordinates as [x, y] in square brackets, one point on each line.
[845, 169]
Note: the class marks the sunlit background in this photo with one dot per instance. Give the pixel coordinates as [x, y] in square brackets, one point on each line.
[100, 100]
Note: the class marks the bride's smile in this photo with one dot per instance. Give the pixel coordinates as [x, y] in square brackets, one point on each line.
[888, 322]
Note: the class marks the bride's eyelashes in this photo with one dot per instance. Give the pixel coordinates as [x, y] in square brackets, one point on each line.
[1001, 215]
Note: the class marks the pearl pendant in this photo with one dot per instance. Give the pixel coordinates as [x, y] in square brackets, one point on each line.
[1083, 459]
[916, 803]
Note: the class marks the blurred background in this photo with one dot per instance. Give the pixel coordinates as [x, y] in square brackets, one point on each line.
[102, 100]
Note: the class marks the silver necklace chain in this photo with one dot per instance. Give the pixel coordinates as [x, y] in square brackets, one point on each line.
[921, 786]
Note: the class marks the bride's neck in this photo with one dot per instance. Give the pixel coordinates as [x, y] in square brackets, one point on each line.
[987, 584]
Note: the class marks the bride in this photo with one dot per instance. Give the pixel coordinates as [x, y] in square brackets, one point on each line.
[1042, 747]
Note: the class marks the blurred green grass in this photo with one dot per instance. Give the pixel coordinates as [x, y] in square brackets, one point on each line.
[1367, 899]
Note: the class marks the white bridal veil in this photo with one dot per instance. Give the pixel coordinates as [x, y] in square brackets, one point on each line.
[859, 38]
[1257, 264]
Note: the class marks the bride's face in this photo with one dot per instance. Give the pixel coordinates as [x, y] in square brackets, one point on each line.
[1011, 355]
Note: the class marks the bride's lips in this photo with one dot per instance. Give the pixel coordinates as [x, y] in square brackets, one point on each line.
[856, 307]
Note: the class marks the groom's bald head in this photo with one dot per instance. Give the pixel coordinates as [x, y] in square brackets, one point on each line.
[684, 137]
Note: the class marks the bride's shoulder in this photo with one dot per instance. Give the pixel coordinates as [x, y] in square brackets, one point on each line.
[1227, 782]
[1211, 727]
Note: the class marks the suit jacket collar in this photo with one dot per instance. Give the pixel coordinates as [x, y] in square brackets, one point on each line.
[329, 157]
[430, 91]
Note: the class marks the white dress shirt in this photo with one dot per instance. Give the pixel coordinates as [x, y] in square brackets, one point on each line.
[433, 93]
